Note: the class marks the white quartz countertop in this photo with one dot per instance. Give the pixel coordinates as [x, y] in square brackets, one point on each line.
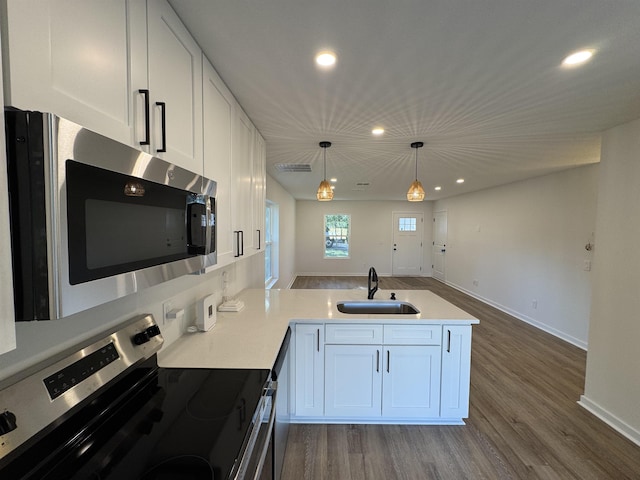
[252, 337]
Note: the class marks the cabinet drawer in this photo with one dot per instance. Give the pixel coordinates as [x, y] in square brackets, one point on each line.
[353, 334]
[412, 334]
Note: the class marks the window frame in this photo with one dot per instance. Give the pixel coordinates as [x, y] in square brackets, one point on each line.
[340, 237]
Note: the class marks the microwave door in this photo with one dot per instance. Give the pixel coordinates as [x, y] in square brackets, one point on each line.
[27, 160]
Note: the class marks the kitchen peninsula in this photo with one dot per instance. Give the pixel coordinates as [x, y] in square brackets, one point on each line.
[362, 368]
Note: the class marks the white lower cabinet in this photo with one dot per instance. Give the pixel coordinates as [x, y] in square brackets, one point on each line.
[456, 371]
[367, 376]
[411, 381]
[382, 373]
[353, 377]
[309, 370]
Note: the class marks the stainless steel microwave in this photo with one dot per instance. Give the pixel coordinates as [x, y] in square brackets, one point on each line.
[93, 220]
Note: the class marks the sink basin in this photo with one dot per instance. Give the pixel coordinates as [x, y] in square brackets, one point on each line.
[391, 307]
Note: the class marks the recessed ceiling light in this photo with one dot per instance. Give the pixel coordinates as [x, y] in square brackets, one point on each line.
[577, 58]
[460, 180]
[438, 188]
[326, 59]
[378, 131]
[334, 180]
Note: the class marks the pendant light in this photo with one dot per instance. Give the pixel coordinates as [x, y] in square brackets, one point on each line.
[324, 190]
[416, 192]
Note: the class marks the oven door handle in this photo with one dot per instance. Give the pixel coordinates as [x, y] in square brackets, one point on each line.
[258, 425]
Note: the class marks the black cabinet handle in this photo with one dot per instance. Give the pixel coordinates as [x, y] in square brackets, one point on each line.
[163, 108]
[237, 234]
[259, 239]
[448, 341]
[377, 360]
[318, 339]
[147, 124]
[239, 243]
[388, 360]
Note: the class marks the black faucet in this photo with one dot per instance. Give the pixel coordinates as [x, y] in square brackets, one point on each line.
[373, 278]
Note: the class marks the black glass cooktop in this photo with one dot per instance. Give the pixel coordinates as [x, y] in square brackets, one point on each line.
[156, 423]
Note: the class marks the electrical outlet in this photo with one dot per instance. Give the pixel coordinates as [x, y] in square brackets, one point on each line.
[476, 283]
[587, 265]
[534, 304]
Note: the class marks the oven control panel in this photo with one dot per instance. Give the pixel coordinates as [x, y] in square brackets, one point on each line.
[31, 403]
[70, 376]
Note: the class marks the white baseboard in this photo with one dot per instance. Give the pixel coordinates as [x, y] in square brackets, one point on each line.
[525, 318]
[610, 419]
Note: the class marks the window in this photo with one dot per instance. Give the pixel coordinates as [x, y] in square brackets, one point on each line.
[407, 224]
[337, 229]
[270, 244]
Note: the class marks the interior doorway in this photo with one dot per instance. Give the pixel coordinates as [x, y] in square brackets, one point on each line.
[439, 245]
[408, 230]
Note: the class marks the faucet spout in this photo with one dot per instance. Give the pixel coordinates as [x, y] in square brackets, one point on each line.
[373, 280]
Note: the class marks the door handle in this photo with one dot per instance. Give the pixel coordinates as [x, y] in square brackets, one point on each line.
[443, 250]
[163, 108]
[147, 127]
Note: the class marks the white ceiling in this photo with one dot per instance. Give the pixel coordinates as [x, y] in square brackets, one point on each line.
[478, 81]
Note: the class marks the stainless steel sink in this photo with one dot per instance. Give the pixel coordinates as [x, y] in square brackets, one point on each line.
[367, 307]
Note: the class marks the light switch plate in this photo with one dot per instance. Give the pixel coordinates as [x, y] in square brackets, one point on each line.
[206, 313]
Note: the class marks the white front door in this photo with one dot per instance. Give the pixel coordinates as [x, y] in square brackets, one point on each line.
[407, 243]
[439, 245]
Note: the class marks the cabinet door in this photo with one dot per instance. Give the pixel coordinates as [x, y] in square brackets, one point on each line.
[258, 190]
[218, 105]
[411, 383]
[242, 170]
[79, 60]
[309, 370]
[456, 371]
[353, 380]
[175, 86]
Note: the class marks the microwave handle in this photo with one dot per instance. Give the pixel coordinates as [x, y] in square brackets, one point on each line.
[196, 233]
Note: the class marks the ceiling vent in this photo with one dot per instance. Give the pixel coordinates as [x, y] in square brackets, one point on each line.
[292, 167]
[361, 186]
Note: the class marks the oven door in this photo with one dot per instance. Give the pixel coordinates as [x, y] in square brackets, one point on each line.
[255, 461]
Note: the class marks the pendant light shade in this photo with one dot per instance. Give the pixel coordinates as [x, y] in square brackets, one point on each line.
[416, 192]
[324, 193]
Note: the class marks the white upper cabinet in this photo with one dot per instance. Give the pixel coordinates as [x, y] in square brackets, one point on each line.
[175, 89]
[88, 62]
[78, 59]
[258, 191]
[242, 171]
[218, 111]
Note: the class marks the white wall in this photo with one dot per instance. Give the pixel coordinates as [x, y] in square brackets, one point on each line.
[612, 388]
[39, 341]
[371, 236]
[286, 240]
[525, 242]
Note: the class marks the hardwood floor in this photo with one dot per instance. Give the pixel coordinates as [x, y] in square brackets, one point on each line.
[524, 422]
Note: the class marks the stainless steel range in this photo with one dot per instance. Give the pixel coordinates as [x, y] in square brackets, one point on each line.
[107, 411]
